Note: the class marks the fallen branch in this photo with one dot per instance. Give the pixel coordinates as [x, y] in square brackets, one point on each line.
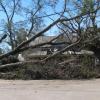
[63, 50]
[25, 48]
[18, 64]
[66, 62]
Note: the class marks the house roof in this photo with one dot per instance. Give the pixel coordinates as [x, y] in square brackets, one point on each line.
[42, 39]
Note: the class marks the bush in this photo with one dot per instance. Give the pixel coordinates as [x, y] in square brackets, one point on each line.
[81, 68]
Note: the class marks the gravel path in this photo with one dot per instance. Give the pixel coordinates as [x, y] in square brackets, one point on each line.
[50, 90]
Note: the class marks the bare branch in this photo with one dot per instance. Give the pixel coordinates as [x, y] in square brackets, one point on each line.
[3, 37]
[63, 50]
[16, 65]
[40, 33]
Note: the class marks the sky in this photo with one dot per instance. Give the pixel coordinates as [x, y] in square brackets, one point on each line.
[59, 8]
[47, 21]
[48, 11]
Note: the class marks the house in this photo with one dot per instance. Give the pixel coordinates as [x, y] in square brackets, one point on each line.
[43, 49]
[48, 49]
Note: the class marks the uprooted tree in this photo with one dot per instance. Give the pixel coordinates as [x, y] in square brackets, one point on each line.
[81, 20]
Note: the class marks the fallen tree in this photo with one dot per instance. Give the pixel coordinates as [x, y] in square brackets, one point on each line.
[24, 45]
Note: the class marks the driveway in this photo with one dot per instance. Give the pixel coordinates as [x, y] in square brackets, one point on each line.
[50, 90]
